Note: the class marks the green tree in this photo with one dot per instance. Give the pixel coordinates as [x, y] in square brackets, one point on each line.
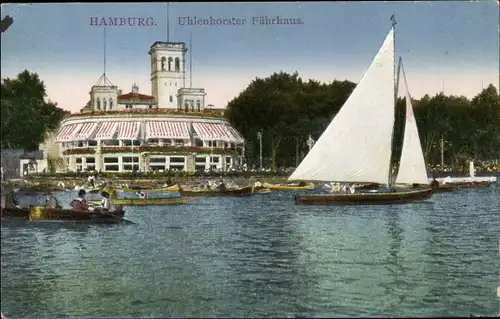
[26, 116]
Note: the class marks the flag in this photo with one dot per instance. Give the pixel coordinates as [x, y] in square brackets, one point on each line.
[393, 19]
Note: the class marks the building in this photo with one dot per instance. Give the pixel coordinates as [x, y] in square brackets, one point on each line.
[171, 129]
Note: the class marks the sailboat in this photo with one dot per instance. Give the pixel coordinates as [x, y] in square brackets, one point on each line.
[356, 147]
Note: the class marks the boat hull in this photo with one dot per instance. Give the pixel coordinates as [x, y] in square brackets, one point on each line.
[173, 188]
[244, 191]
[388, 198]
[21, 213]
[279, 187]
[148, 201]
[39, 213]
[483, 184]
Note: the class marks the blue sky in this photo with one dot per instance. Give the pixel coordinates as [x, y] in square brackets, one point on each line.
[451, 42]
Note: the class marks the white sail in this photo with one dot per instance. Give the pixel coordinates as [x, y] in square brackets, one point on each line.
[472, 170]
[412, 167]
[356, 146]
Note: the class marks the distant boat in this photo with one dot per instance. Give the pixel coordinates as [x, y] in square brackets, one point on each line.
[356, 147]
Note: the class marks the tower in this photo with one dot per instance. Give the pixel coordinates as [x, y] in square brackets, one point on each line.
[103, 95]
[168, 73]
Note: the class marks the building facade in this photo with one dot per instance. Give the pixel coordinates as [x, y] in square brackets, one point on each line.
[168, 130]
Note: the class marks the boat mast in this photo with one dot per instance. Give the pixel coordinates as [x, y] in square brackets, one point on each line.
[393, 20]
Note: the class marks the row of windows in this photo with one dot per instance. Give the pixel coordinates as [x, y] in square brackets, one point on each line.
[165, 67]
[189, 105]
[105, 103]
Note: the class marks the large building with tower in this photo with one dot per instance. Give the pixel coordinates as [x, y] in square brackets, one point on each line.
[171, 129]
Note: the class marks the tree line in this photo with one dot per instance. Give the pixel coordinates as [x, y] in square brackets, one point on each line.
[287, 109]
[26, 114]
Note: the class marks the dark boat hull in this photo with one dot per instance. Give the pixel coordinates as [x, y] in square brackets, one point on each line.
[472, 184]
[37, 213]
[23, 213]
[245, 191]
[445, 188]
[400, 197]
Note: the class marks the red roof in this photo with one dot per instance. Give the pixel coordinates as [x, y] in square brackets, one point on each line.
[136, 97]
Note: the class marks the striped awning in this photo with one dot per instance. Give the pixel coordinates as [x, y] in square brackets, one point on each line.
[218, 132]
[86, 131]
[162, 129]
[128, 130]
[106, 131]
[67, 132]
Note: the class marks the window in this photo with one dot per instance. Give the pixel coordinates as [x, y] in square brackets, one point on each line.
[199, 167]
[129, 167]
[163, 61]
[179, 142]
[177, 65]
[78, 160]
[98, 104]
[110, 104]
[186, 106]
[128, 106]
[192, 105]
[110, 160]
[81, 144]
[130, 159]
[171, 99]
[177, 160]
[153, 141]
[170, 64]
[92, 143]
[105, 103]
[90, 167]
[198, 143]
[198, 105]
[214, 159]
[150, 106]
[90, 160]
[201, 160]
[111, 143]
[228, 160]
[112, 168]
[157, 160]
[157, 168]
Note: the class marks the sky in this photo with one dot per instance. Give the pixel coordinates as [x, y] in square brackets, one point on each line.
[444, 45]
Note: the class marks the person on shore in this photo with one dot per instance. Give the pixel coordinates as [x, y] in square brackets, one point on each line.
[51, 202]
[222, 187]
[79, 204]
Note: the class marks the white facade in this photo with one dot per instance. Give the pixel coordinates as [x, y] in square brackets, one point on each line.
[103, 98]
[168, 72]
[191, 100]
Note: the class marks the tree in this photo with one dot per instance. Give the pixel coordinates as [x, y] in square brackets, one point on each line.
[26, 116]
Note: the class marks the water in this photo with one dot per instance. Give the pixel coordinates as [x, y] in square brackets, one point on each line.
[261, 256]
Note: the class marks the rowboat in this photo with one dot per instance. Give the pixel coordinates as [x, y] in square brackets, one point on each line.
[263, 191]
[288, 187]
[172, 188]
[370, 198]
[244, 191]
[357, 145]
[21, 213]
[40, 213]
[473, 184]
[147, 201]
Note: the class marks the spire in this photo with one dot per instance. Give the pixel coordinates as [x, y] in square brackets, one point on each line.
[190, 61]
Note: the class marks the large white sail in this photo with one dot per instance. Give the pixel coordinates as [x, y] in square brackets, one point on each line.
[356, 146]
[412, 167]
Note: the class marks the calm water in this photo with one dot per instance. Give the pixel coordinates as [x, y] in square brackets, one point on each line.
[262, 256]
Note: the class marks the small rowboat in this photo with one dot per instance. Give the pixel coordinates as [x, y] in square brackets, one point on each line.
[173, 188]
[263, 191]
[40, 213]
[288, 187]
[244, 191]
[482, 184]
[147, 201]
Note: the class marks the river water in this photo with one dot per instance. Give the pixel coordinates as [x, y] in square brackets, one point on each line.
[261, 256]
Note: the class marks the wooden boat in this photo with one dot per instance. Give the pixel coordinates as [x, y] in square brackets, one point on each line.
[22, 213]
[288, 187]
[40, 213]
[472, 184]
[445, 188]
[375, 198]
[147, 201]
[357, 145]
[172, 188]
[244, 191]
[263, 191]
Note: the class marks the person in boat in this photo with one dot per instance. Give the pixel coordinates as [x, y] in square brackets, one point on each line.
[302, 184]
[91, 181]
[434, 183]
[107, 204]
[9, 199]
[257, 185]
[51, 202]
[142, 195]
[351, 188]
[79, 203]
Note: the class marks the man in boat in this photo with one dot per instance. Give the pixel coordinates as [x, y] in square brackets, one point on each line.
[142, 195]
[434, 183]
[107, 204]
[257, 185]
[79, 203]
[51, 202]
[91, 181]
[9, 198]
